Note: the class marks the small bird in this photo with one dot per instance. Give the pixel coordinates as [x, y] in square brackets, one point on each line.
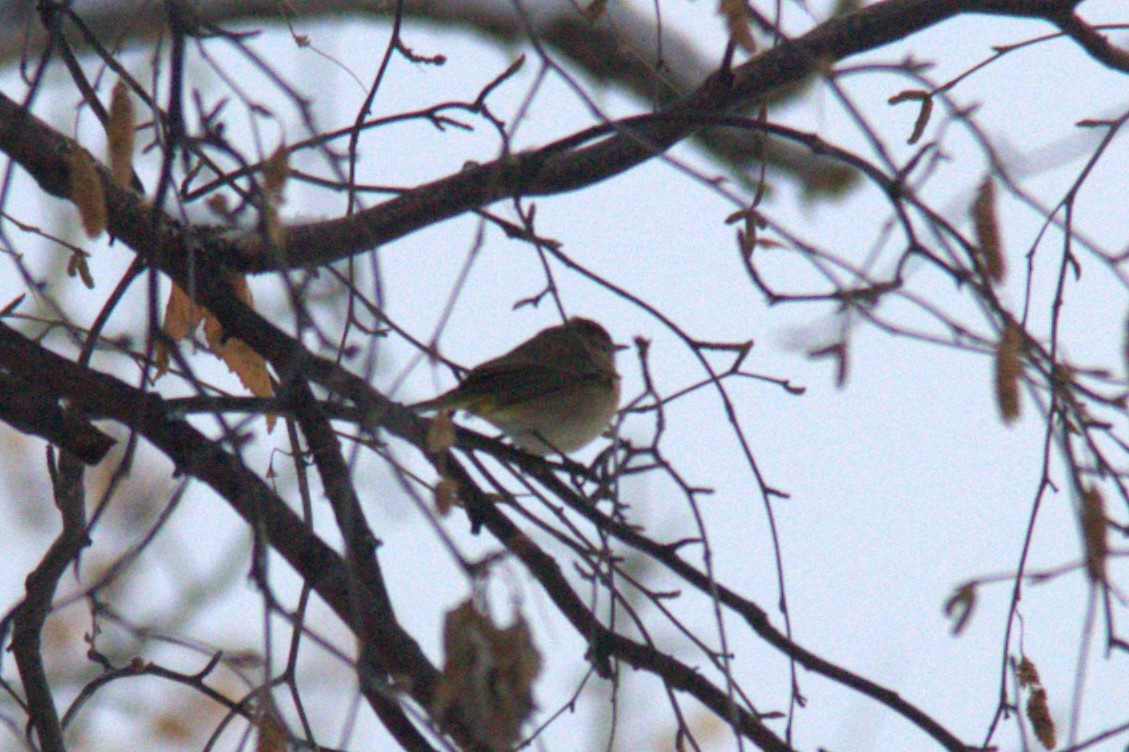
[555, 392]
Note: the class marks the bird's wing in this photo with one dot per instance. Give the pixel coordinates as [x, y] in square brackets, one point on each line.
[514, 383]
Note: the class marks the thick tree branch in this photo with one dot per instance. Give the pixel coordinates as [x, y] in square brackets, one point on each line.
[620, 49]
[547, 171]
[29, 409]
[29, 617]
[396, 654]
[351, 595]
[550, 171]
[349, 591]
[199, 260]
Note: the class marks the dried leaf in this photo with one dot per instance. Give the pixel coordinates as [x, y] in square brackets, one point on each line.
[275, 172]
[1094, 532]
[86, 192]
[218, 205]
[1039, 714]
[522, 662]
[909, 95]
[446, 496]
[747, 238]
[988, 232]
[441, 433]
[182, 316]
[272, 731]
[1008, 370]
[1038, 710]
[248, 365]
[161, 355]
[959, 607]
[77, 266]
[737, 21]
[1026, 673]
[120, 131]
[487, 680]
[923, 115]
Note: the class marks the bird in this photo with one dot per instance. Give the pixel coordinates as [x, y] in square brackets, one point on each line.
[555, 392]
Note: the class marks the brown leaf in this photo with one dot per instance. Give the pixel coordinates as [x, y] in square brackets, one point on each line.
[753, 222]
[120, 131]
[182, 316]
[272, 731]
[522, 661]
[77, 266]
[446, 496]
[487, 680]
[248, 365]
[988, 232]
[1008, 370]
[1026, 673]
[441, 433]
[923, 115]
[909, 95]
[1094, 533]
[161, 357]
[1039, 714]
[276, 170]
[738, 23]
[86, 192]
[218, 205]
[959, 607]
